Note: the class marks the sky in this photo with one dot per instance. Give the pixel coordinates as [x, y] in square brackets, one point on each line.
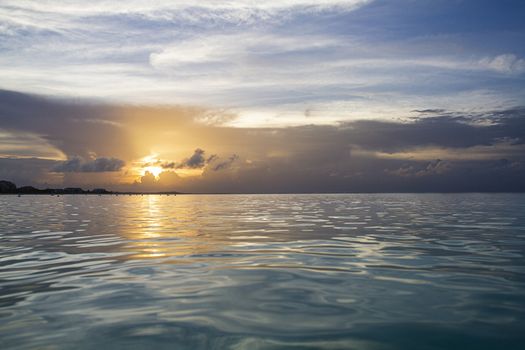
[264, 96]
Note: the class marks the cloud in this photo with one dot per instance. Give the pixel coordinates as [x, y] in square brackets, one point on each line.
[26, 144]
[168, 165]
[257, 59]
[67, 128]
[29, 171]
[196, 161]
[437, 167]
[448, 131]
[300, 90]
[430, 111]
[362, 155]
[221, 165]
[59, 16]
[506, 63]
[229, 51]
[148, 179]
[98, 165]
[166, 181]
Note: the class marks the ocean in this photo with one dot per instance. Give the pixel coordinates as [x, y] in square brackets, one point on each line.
[320, 271]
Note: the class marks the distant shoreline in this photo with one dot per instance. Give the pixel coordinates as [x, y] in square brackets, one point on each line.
[246, 194]
[9, 188]
[87, 193]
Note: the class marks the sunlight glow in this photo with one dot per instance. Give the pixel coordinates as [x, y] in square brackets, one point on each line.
[150, 163]
[155, 170]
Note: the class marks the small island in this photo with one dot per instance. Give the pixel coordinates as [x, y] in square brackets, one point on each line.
[7, 187]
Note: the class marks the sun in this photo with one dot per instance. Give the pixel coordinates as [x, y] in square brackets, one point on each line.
[155, 170]
[151, 164]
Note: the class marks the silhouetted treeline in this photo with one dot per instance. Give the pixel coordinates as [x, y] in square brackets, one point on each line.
[7, 187]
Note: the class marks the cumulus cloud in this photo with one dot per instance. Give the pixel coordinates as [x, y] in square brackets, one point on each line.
[77, 165]
[148, 179]
[196, 161]
[166, 181]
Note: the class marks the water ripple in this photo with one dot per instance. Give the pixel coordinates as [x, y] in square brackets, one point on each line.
[263, 271]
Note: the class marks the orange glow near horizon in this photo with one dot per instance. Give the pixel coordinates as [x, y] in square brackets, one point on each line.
[189, 172]
[152, 164]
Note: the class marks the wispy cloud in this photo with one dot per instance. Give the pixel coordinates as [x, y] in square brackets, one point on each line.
[65, 17]
[506, 63]
[270, 62]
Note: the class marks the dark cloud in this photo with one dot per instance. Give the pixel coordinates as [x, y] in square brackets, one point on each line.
[74, 128]
[28, 171]
[430, 111]
[98, 165]
[196, 161]
[168, 165]
[212, 158]
[440, 131]
[83, 127]
[221, 165]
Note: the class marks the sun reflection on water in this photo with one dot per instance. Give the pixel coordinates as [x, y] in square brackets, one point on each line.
[162, 231]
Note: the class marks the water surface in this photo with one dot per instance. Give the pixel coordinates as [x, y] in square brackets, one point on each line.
[263, 272]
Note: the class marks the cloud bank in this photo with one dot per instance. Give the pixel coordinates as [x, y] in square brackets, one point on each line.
[429, 150]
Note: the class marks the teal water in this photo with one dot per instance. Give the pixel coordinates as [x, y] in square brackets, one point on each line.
[396, 271]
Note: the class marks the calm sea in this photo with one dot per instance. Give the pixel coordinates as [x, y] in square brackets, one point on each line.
[395, 271]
